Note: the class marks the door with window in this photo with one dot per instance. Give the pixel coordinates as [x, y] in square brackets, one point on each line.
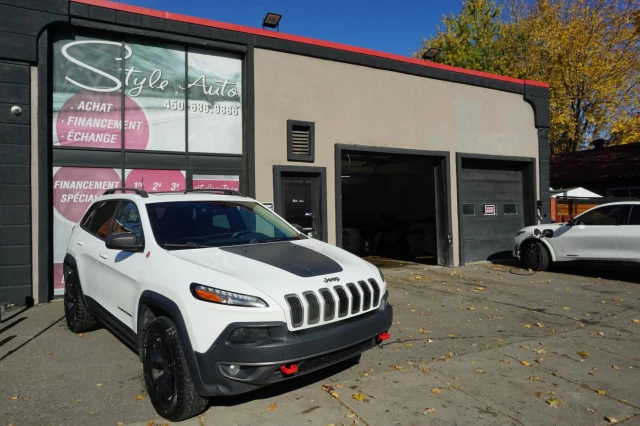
[593, 236]
[299, 199]
[628, 235]
[118, 271]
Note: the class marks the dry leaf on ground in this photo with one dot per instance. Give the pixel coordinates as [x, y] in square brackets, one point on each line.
[327, 388]
[430, 410]
[525, 363]
[138, 398]
[397, 367]
[566, 308]
[539, 324]
[602, 392]
[334, 394]
[636, 320]
[534, 378]
[408, 345]
[358, 396]
[529, 326]
[436, 390]
[611, 420]
[615, 367]
[538, 394]
[14, 397]
[119, 423]
[272, 407]
[583, 354]
[554, 402]
[338, 386]
[80, 335]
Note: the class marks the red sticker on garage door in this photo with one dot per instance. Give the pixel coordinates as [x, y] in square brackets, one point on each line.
[490, 209]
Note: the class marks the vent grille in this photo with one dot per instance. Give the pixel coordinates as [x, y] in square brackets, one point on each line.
[376, 292]
[314, 308]
[355, 298]
[329, 304]
[366, 295]
[343, 308]
[300, 141]
[297, 311]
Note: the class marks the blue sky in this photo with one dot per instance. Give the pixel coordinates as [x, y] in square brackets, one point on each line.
[389, 26]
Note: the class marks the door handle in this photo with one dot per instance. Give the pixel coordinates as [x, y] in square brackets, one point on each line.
[104, 255]
[79, 243]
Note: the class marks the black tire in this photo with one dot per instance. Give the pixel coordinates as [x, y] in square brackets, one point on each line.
[534, 256]
[166, 373]
[79, 319]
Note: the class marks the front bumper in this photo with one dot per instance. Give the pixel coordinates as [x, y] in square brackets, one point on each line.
[310, 349]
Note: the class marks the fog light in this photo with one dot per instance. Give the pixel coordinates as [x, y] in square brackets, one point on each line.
[234, 370]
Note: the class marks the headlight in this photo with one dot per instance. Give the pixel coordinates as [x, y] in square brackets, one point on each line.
[519, 233]
[214, 295]
[381, 275]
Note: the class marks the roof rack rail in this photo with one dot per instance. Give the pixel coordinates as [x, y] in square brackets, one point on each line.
[140, 192]
[188, 191]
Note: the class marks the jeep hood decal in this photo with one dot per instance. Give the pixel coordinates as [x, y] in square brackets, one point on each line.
[292, 258]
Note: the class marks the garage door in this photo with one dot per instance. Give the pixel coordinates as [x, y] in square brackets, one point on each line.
[493, 207]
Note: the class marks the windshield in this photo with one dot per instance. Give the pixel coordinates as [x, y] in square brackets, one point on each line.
[196, 224]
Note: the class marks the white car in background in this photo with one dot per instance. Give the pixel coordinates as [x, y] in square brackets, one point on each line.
[610, 232]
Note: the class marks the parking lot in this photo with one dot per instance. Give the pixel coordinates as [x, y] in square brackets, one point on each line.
[482, 344]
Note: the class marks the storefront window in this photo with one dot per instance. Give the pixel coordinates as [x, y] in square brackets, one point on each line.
[155, 180]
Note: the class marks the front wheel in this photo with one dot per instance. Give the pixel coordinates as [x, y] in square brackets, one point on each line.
[534, 256]
[166, 373]
[76, 312]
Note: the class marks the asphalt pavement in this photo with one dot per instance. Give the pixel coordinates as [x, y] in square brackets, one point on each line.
[483, 344]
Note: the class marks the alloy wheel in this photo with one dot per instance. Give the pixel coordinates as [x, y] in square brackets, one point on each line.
[532, 256]
[161, 371]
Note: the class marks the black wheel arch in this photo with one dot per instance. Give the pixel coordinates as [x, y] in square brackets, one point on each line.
[151, 305]
[535, 240]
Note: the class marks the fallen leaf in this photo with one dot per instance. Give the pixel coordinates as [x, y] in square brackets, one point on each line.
[350, 415]
[507, 361]
[119, 423]
[534, 378]
[138, 398]
[615, 367]
[413, 310]
[79, 401]
[541, 351]
[451, 335]
[591, 410]
[327, 388]
[91, 413]
[436, 390]
[554, 402]
[538, 394]
[593, 373]
[334, 394]
[98, 385]
[15, 397]
[358, 396]
[425, 370]
[583, 354]
[611, 420]
[338, 385]
[408, 345]
[429, 410]
[602, 392]
[524, 363]
[272, 407]
[48, 353]
[479, 370]
[566, 308]
[538, 324]
[397, 367]
[636, 320]
[471, 308]
[80, 335]
[528, 326]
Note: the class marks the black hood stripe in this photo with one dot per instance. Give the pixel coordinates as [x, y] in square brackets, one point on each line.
[289, 257]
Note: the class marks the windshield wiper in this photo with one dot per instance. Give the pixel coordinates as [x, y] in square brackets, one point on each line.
[190, 244]
[273, 240]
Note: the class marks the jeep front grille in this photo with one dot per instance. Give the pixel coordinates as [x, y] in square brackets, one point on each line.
[327, 305]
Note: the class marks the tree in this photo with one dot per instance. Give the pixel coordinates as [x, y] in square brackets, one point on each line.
[469, 39]
[589, 53]
[587, 50]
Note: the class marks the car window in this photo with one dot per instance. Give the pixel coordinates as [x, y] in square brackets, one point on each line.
[101, 222]
[634, 217]
[86, 220]
[127, 219]
[607, 215]
[195, 224]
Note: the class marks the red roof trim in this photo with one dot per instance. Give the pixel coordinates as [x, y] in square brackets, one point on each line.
[258, 31]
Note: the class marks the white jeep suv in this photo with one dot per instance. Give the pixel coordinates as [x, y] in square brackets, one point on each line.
[607, 232]
[217, 294]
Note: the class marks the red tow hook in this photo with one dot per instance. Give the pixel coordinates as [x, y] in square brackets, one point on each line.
[384, 336]
[292, 369]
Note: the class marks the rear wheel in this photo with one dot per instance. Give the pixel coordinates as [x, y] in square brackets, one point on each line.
[534, 256]
[76, 312]
[166, 373]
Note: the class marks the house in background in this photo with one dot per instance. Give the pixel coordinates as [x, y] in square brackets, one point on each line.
[609, 172]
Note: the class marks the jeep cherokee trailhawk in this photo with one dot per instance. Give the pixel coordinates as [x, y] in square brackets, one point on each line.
[217, 294]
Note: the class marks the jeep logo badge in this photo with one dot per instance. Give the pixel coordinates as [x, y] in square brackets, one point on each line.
[329, 280]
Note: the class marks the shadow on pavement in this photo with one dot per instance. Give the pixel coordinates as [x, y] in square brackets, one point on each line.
[13, 315]
[12, 351]
[615, 271]
[285, 386]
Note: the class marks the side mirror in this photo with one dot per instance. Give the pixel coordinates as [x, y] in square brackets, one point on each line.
[547, 233]
[298, 227]
[126, 241]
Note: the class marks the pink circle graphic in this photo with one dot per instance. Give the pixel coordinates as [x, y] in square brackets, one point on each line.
[156, 180]
[94, 119]
[74, 188]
